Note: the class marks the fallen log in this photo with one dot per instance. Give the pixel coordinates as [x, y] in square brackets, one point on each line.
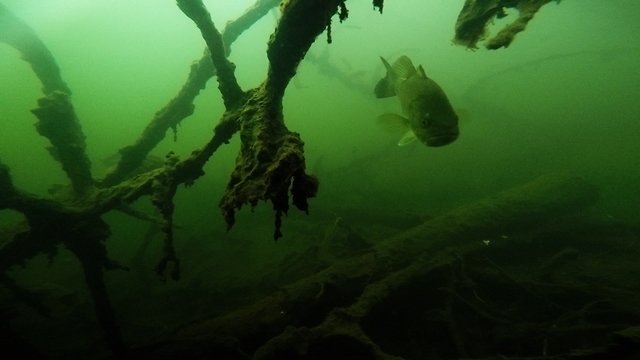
[322, 313]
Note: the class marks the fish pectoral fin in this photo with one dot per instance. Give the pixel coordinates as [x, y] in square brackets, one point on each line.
[397, 124]
[394, 124]
[408, 138]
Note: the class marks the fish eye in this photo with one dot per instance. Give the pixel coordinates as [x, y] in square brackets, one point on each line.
[426, 119]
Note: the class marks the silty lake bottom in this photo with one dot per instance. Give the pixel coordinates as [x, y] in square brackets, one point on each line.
[518, 240]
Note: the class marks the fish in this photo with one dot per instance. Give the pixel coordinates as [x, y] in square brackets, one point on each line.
[428, 114]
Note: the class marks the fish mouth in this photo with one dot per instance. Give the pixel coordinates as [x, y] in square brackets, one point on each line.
[441, 140]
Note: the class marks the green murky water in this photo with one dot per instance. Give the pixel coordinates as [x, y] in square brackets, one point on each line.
[564, 97]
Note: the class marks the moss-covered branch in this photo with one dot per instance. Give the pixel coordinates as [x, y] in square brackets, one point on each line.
[58, 123]
[57, 118]
[476, 15]
[181, 106]
[81, 230]
[271, 162]
[300, 24]
[526, 11]
[235, 28]
[227, 83]
[21, 36]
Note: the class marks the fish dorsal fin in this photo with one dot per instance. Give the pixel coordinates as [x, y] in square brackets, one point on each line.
[403, 68]
[407, 138]
[386, 86]
[393, 124]
[421, 71]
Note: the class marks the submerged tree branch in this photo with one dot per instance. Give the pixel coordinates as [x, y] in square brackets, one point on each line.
[235, 28]
[227, 83]
[75, 221]
[271, 161]
[58, 123]
[181, 106]
[178, 108]
[57, 118]
[475, 17]
[21, 36]
[300, 24]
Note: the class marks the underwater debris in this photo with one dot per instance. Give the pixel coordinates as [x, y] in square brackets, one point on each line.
[78, 224]
[378, 4]
[366, 279]
[270, 166]
[270, 163]
[343, 14]
[58, 123]
[271, 160]
[23, 38]
[57, 118]
[227, 83]
[164, 189]
[181, 106]
[476, 15]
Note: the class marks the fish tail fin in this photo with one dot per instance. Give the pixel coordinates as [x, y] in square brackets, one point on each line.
[386, 86]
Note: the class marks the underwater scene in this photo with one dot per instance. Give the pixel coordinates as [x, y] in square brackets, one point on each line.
[320, 179]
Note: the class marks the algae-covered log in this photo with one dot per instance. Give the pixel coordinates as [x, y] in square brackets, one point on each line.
[304, 310]
[58, 123]
[477, 15]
